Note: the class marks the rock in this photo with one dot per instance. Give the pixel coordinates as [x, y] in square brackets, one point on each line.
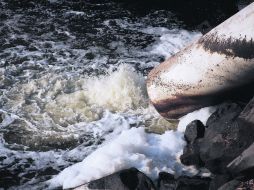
[218, 181]
[231, 185]
[224, 113]
[191, 155]
[128, 179]
[192, 183]
[225, 138]
[247, 114]
[167, 181]
[248, 185]
[243, 164]
[194, 130]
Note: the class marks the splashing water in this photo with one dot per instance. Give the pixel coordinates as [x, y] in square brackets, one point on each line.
[72, 79]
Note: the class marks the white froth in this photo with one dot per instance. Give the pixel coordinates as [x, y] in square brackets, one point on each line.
[149, 153]
[121, 90]
[172, 41]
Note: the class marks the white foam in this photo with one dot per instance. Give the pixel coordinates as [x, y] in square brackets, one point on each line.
[121, 90]
[172, 41]
[150, 153]
[81, 13]
[202, 114]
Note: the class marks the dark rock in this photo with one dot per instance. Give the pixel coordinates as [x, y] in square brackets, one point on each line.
[248, 113]
[248, 185]
[166, 181]
[128, 179]
[243, 165]
[225, 138]
[218, 181]
[192, 183]
[194, 130]
[225, 113]
[1, 117]
[191, 155]
[231, 185]
[90, 55]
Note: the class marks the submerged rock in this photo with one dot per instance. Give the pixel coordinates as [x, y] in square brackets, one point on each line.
[128, 179]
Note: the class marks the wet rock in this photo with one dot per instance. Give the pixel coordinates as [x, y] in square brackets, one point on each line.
[243, 165]
[194, 130]
[225, 138]
[128, 179]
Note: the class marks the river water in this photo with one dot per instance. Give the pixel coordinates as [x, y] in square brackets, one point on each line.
[71, 72]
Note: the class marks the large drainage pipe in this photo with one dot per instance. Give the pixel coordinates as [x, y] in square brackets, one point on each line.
[217, 65]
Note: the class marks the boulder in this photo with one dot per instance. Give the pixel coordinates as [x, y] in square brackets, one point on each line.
[194, 130]
[128, 179]
[226, 136]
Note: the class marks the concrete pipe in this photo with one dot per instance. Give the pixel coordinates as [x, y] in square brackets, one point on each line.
[217, 65]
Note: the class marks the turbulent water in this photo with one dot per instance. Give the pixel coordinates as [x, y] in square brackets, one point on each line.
[71, 73]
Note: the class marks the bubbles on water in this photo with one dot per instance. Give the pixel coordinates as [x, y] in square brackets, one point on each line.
[72, 76]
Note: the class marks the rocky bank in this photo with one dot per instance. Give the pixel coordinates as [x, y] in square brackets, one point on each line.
[224, 146]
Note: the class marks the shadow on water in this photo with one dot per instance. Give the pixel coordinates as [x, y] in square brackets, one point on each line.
[194, 13]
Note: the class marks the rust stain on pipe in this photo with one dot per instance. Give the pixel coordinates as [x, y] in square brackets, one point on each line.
[212, 69]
